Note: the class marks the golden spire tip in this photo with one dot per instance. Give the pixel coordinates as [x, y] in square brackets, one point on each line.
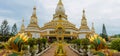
[83, 10]
[60, 2]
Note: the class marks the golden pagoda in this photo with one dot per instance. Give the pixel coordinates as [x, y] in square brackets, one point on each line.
[59, 20]
[84, 23]
[33, 29]
[84, 29]
[59, 27]
[22, 29]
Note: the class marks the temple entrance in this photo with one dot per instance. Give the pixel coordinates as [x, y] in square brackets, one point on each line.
[59, 34]
[60, 38]
[52, 39]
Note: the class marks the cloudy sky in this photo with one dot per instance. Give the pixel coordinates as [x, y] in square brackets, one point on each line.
[97, 11]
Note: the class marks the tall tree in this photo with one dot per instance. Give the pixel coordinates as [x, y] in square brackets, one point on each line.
[104, 29]
[5, 30]
[104, 33]
[14, 30]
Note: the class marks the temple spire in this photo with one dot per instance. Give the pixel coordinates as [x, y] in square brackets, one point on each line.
[83, 17]
[34, 16]
[34, 11]
[84, 22]
[60, 8]
[22, 29]
[60, 11]
[60, 2]
[23, 21]
[93, 29]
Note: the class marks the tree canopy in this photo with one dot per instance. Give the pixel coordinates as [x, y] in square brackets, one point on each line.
[14, 29]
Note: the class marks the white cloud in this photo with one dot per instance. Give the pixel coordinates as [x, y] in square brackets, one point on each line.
[3, 11]
[97, 11]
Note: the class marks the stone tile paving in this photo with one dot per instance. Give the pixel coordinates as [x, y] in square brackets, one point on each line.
[53, 48]
[51, 51]
[69, 52]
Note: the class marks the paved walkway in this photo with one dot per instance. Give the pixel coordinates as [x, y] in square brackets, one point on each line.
[53, 48]
[69, 52]
[51, 51]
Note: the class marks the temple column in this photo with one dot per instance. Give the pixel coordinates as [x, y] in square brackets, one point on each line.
[71, 37]
[62, 38]
[57, 38]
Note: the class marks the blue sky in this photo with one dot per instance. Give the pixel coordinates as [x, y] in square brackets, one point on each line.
[97, 11]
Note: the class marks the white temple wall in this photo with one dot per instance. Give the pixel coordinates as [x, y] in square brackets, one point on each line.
[82, 36]
[36, 35]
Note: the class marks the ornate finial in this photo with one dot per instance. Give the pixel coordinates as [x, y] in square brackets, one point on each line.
[92, 24]
[23, 20]
[34, 11]
[60, 2]
[93, 29]
[84, 14]
[34, 8]
[83, 11]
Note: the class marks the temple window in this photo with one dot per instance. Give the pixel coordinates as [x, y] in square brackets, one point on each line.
[52, 32]
[67, 32]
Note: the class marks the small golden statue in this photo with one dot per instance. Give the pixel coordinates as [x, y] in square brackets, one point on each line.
[60, 51]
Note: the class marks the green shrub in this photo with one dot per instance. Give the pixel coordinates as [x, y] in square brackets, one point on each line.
[115, 44]
[25, 47]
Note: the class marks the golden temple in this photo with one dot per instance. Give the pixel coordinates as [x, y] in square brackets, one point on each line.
[58, 28]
